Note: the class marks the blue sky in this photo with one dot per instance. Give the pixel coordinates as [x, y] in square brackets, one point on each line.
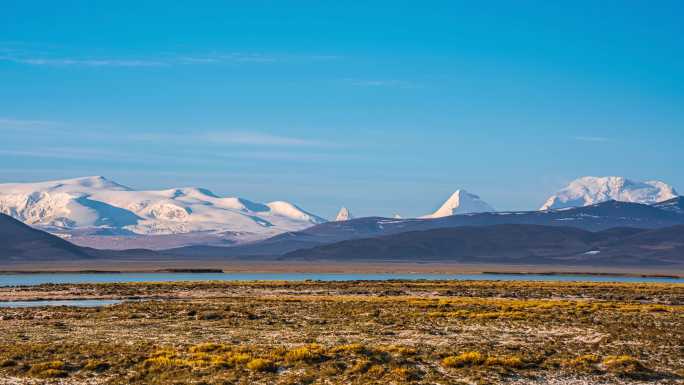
[381, 106]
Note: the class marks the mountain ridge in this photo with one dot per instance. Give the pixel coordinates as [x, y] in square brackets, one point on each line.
[590, 190]
[511, 244]
[599, 217]
[87, 206]
[488, 244]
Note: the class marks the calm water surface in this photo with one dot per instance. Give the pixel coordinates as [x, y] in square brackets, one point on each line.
[78, 303]
[37, 279]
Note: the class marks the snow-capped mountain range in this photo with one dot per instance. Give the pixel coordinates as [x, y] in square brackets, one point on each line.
[97, 212]
[590, 190]
[100, 205]
[461, 202]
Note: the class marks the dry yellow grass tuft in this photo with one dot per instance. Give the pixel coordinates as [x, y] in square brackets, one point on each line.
[464, 359]
[51, 369]
[511, 362]
[261, 365]
[585, 362]
[349, 348]
[623, 364]
[309, 353]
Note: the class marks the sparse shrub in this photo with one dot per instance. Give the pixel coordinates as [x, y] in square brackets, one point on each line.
[623, 364]
[404, 374]
[303, 353]
[207, 347]
[349, 348]
[168, 353]
[511, 362]
[360, 367]
[464, 359]
[240, 358]
[209, 316]
[376, 371]
[96, 366]
[400, 350]
[333, 368]
[585, 362]
[52, 369]
[514, 315]
[52, 373]
[162, 363]
[7, 363]
[261, 365]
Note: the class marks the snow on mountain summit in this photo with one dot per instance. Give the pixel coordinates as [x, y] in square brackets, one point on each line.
[591, 190]
[343, 215]
[461, 202]
[97, 203]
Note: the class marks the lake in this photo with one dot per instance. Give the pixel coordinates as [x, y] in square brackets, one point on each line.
[43, 278]
[77, 303]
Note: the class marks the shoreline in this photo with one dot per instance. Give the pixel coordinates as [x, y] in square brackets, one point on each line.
[268, 267]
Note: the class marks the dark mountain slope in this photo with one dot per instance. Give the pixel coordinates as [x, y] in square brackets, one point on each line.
[510, 244]
[675, 205]
[21, 242]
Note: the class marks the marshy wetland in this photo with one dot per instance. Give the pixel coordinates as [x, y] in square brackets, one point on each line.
[352, 332]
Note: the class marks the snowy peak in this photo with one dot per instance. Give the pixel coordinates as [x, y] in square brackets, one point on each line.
[461, 202]
[95, 182]
[289, 210]
[591, 190]
[344, 215]
[89, 183]
[85, 204]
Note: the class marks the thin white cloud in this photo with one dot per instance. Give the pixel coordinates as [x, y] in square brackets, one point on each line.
[381, 83]
[195, 156]
[234, 57]
[28, 57]
[257, 138]
[596, 139]
[66, 153]
[252, 138]
[61, 62]
[11, 123]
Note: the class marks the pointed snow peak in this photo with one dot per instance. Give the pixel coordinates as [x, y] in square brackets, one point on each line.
[590, 190]
[396, 216]
[461, 202]
[344, 215]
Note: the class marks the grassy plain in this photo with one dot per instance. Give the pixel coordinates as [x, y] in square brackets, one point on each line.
[391, 332]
